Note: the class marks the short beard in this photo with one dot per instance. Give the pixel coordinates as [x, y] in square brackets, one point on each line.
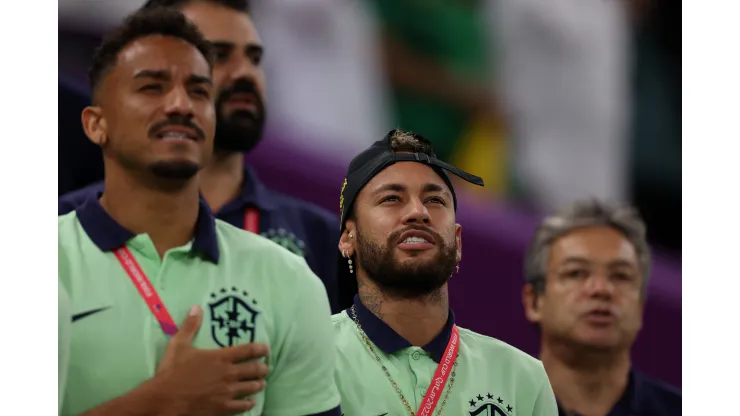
[179, 170]
[405, 281]
[240, 131]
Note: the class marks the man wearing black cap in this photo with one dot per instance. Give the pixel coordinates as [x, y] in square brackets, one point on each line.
[399, 349]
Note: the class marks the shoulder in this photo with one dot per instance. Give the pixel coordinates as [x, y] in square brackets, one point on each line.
[307, 211]
[259, 253]
[489, 348]
[343, 325]
[72, 200]
[656, 395]
[68, 224]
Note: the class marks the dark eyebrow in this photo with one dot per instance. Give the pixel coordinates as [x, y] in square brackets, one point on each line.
[249, 48]
[395, 187]
[149, 73]
[222, 44]
[199, 79]
[254, 48]
[165, 76]
[434, 188]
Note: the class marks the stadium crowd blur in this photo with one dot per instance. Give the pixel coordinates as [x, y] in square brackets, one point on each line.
[548, 101]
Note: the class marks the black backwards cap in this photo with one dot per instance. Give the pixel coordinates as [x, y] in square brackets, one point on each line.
[363, 168]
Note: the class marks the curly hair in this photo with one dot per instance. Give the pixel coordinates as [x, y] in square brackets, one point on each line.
[158, 21]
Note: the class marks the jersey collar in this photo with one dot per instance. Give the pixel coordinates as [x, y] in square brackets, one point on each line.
[388, 340]
[109, 235]
[254, 193]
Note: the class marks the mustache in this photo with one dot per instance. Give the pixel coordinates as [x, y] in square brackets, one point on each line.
[393, 238]
[177, 120]
[241, 86]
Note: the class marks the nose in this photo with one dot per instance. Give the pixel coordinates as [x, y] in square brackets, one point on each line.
[600, 286]
[416, 213]
[178, 102]
[242, 67]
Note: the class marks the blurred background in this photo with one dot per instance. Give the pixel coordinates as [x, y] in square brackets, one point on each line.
[548, 101]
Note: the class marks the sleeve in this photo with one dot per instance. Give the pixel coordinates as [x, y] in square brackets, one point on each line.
[545, 404]
[65, 327]
[301, 381]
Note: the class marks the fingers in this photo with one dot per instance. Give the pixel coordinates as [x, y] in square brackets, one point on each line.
[190, 327]
[252, 370]
[239, 406]
[247, 388]
[247, 352]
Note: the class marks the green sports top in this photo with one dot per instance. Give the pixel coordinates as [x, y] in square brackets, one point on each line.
[491, 377]
[251, 290]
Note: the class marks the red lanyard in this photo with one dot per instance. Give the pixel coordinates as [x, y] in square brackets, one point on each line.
[145, 288]
[252, 220]
[441, 375]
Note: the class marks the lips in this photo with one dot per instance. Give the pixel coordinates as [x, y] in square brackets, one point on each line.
[416, 236]
[600, 316]
[177, 133]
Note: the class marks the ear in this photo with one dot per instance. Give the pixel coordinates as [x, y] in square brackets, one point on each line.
[458, 242]
[532, 302]
[348, 238]
[95, 125]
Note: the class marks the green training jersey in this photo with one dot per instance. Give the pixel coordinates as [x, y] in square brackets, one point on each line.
[250, 289]
[490, 378]
[64, 330]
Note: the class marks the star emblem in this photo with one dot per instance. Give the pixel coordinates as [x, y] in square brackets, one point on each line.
[509, 408]
[479, 397]
[490, 397]
[472, 402]
[500, 401]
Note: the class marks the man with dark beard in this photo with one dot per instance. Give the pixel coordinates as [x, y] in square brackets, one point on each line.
[232, 189]
[399, 349]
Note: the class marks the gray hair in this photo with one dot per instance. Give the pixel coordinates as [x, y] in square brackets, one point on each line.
[581, 214]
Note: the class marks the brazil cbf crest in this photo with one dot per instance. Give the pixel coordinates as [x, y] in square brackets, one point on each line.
[233, 317]
[287, 240]
[489, 405]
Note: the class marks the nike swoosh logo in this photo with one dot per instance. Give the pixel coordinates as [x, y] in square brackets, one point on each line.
[81, 315]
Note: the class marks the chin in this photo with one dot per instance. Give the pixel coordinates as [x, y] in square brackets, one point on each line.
[175, 169]
[599, 338]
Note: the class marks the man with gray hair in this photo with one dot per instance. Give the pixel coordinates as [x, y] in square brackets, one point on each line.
[587, 271]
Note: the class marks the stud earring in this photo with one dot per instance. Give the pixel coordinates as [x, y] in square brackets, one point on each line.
[457, 268]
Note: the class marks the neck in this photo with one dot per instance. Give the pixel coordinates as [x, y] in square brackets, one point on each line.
[221, 181]
[418, 320]
[167, 212]
[584, 380]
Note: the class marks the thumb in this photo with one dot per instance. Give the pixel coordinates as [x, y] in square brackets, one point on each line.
[190, 327]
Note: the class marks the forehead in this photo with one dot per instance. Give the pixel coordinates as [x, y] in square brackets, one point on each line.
[597, 244]
[161, 53]
[413, 175]
[222, 24]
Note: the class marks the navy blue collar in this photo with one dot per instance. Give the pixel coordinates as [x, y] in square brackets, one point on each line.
[254, 194]
[388, 340]
[109, 235]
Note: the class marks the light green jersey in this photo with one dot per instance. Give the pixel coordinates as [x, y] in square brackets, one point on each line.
[491, 378]
[251, 290]
[63, 335]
